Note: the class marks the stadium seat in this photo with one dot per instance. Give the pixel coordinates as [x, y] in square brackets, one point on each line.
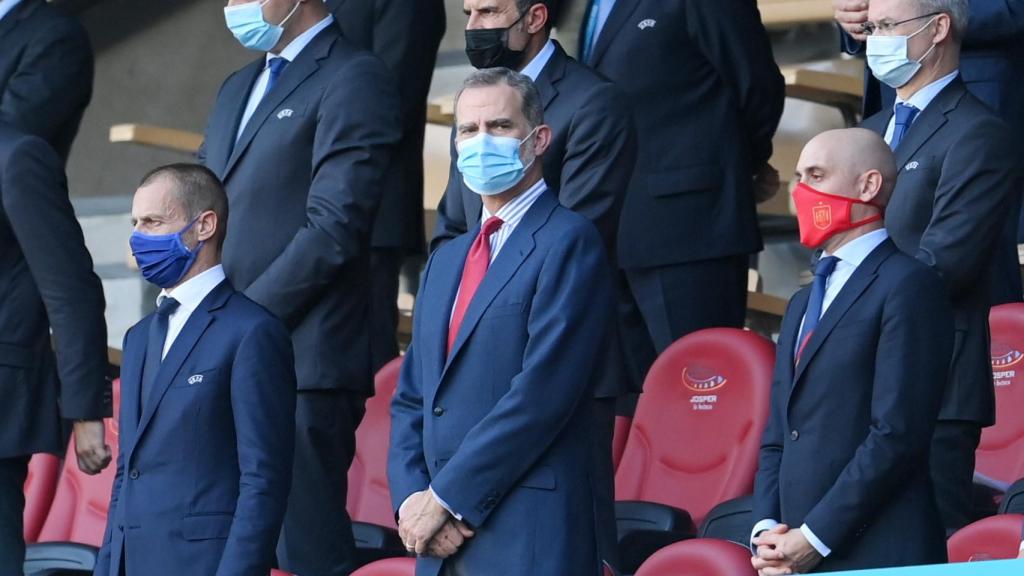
[699, 557]
[694, 439]
[1000, 454]
[1013, 500]
[622, 425]
[276, 572]
[993, 538]
[369, 502]
[731, 520]
[388, 567]
[40, 487]
[74, 526]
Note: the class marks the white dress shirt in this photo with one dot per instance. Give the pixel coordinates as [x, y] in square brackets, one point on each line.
[6, 6]
[290, 52]
[534, 68]
[920, 100]
[850, 255]
[189, 295]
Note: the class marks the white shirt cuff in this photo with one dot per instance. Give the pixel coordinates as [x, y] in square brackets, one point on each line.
[1022, 546]
[766, 524]
[818, 544]
[444, 504]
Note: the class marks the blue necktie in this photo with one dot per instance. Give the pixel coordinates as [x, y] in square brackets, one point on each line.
[905, 115]
[155, 348]
[590, 35]
[277, 66]
[822, 271]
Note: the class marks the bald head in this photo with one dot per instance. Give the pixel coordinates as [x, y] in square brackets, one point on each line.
[852, 162]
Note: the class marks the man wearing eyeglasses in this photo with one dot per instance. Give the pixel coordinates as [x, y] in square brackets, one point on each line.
[991, 64]
[957, 184]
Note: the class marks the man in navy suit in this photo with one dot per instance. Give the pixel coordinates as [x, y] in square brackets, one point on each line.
[207, 401]
[302, 139]
[842, 480]
[959, 182]
[491, 463]
[48, 283]
[706, 96]
[46, 69]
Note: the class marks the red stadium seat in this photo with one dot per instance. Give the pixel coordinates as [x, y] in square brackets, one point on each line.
[1000, 454]
[277, 572]
[993, 538]
[369, 502]
[696, 433]
[40, 487]
[388, 567]
[700, 557]
[622, 425]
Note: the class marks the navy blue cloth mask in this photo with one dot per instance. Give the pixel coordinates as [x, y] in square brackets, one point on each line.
[163, 258]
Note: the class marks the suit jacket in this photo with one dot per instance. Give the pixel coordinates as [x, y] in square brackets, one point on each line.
[958, 182]
[706, 96]
[406, 36]
[846, 445]
[304, 181]
[590, 159]
[203, 470]
[46, 69]
[502, 428]
[46, 281]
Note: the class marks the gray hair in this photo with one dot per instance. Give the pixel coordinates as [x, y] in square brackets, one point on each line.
[957, 11]
[533, 110]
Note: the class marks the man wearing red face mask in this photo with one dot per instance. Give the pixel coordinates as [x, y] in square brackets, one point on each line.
[842, 480]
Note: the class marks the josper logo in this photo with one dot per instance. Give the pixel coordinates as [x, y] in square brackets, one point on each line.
[822, 216]
[1004, 358]
[701, 379]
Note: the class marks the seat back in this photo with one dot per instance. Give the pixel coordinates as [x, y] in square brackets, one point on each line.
[1000, 454]
[368, 496]
[79, 510]
[697, 429]
[699, 557]
[993, 538]
[389, 567]
[40, 487]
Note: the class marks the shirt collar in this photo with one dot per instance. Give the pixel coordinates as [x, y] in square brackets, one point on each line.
[191, 292]
[6, 6]
[292, 50]
[923, 97]
[514, 211]
[855, 251]
[536, 66]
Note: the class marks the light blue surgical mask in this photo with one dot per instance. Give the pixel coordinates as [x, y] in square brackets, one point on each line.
[889, 60]
[246, 22]
[491, 165]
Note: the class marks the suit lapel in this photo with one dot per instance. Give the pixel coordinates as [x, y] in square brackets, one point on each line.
[182, 347]
[436, 319]
[304, 66]
[18, 13]
[862, 277]
[551, 75]
[131, 380]
[225, 128]
[789, 332]
[618, 17]
[931, 119]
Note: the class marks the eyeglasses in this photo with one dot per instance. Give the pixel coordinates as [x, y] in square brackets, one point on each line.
[886, 27]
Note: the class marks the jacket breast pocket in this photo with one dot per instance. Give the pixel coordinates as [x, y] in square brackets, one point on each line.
[196, 379]
[207, 526]
[503, 310]
[684, 180]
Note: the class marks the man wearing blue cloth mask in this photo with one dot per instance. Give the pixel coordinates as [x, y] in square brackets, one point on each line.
[492, 467]
[207, 401]
[303, 139]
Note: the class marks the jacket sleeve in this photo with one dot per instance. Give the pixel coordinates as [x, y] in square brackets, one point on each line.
[566, 328]
[995, 22]
[351, 150]
[263, 406]
[734, 40]
[35, 198]
[917, 328]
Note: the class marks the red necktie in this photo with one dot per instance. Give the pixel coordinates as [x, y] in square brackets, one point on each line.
[477, 261]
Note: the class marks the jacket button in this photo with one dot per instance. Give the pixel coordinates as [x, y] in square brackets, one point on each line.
[794, 435]
[438, 411]
[134, 474]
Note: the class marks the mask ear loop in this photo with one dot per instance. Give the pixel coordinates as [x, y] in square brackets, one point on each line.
[919, 30]
[186, 229]
[523, 141]
[290, 14]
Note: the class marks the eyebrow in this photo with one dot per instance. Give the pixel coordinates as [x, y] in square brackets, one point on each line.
[501, 123]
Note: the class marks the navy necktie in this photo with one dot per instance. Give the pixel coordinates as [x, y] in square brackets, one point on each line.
[277, 66]
[822, 271]
[905, 115]
[155, 348]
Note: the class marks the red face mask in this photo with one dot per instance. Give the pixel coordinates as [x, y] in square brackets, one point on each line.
[822, 215]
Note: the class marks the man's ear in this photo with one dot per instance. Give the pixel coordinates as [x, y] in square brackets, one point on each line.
[870, 186]
[536, 18]
[206, 225]
[943, 28]
[542, 140]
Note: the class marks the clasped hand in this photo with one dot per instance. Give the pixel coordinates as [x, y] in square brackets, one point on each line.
[427, 528]
[783, 551]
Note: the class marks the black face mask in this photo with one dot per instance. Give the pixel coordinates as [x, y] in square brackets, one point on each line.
[488, 48]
